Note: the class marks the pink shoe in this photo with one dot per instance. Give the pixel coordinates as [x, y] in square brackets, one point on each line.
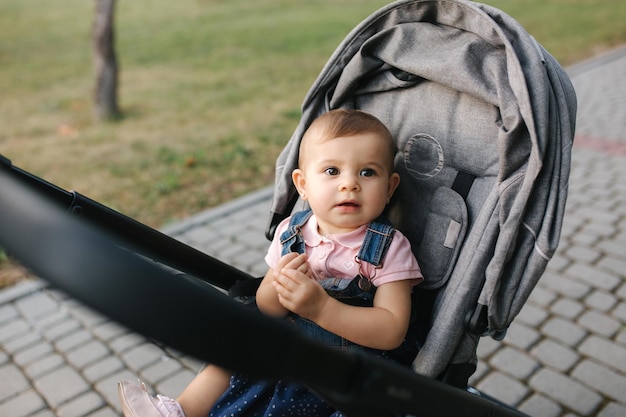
[136, 402]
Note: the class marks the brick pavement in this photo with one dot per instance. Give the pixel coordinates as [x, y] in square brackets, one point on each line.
[564, 356]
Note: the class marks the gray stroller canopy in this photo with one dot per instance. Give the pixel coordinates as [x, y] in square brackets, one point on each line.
[471, 98]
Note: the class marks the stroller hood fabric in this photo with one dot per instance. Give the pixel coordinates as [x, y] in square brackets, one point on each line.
[465, 90]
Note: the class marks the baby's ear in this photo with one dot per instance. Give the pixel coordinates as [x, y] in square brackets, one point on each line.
[394, 181]
[297, 176]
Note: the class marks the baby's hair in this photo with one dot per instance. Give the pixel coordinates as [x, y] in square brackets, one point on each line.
[343, 123]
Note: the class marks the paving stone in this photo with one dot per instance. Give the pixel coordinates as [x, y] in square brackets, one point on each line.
[61, 329]
[229, 254]
[22, 342]
[32, 353]
[256, 267]
[102, 368]
[126, 342]
[541, 296]
[558, 263]
[598, 215]
[43, 413]
[142, 355]
[564, 331]
[600, 300]
[600, 229]
[621, 291]
[602, 379]
[196, 237]
[565, 391]
[516, 363]
[532, 315]
[608, 352]
[36, 305]
[51, 319]
[620, 312]
[504, 388]
[13, 329]
[593, 276]
[521, 336]
[599, 323]
[44, 365]
[87, 353]
[156, 372]
[109, 330]
[73, 340]
[107, 387]
[613, 410]
[81, 405]
[104, 412]
[614, 248]
[23, 405]
[254, 238]
[7, 312]
[613, 264]
[567, 308]
[583, 253]
[175, 384]
[585, 238]
[555, 355]
[61, 385]
[540, 406]
[564, 285]
[12, 381]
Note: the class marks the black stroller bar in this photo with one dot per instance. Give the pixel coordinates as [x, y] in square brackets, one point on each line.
[134, 235]
[97, 268]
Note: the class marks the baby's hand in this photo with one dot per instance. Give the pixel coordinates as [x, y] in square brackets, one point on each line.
[295, 289]
[294, 261]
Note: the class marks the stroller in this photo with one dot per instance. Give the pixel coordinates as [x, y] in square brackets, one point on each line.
[484, 120]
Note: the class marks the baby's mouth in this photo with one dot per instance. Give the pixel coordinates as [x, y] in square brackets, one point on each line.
[348, 204]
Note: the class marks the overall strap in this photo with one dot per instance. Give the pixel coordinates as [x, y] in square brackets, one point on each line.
[292, 239]
[378, 237]
[377, 240]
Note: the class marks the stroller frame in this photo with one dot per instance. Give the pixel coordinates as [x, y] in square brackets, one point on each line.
[127, 286]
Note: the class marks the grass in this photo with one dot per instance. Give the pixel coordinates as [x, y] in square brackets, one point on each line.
[571, 30]
[210, 89]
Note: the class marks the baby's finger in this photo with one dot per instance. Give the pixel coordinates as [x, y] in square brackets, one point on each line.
[285, 260]
[296, 262]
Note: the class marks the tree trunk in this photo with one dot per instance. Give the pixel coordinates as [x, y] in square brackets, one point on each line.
[105, 61]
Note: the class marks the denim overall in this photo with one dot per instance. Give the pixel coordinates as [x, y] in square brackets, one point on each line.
[260, 398]
[359, 292]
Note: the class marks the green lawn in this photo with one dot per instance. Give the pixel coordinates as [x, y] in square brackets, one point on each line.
[210, 90]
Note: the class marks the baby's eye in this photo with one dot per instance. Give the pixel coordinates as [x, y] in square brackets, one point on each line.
[367, 172]
[331, 171]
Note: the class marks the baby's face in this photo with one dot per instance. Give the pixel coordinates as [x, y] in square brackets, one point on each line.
[346, 180]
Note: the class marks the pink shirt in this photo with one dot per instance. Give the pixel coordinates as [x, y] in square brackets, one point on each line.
[333, 256]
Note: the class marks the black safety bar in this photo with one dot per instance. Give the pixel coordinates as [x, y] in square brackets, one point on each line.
[135, 235]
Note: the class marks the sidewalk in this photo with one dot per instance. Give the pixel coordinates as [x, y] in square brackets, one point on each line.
[564, 356]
